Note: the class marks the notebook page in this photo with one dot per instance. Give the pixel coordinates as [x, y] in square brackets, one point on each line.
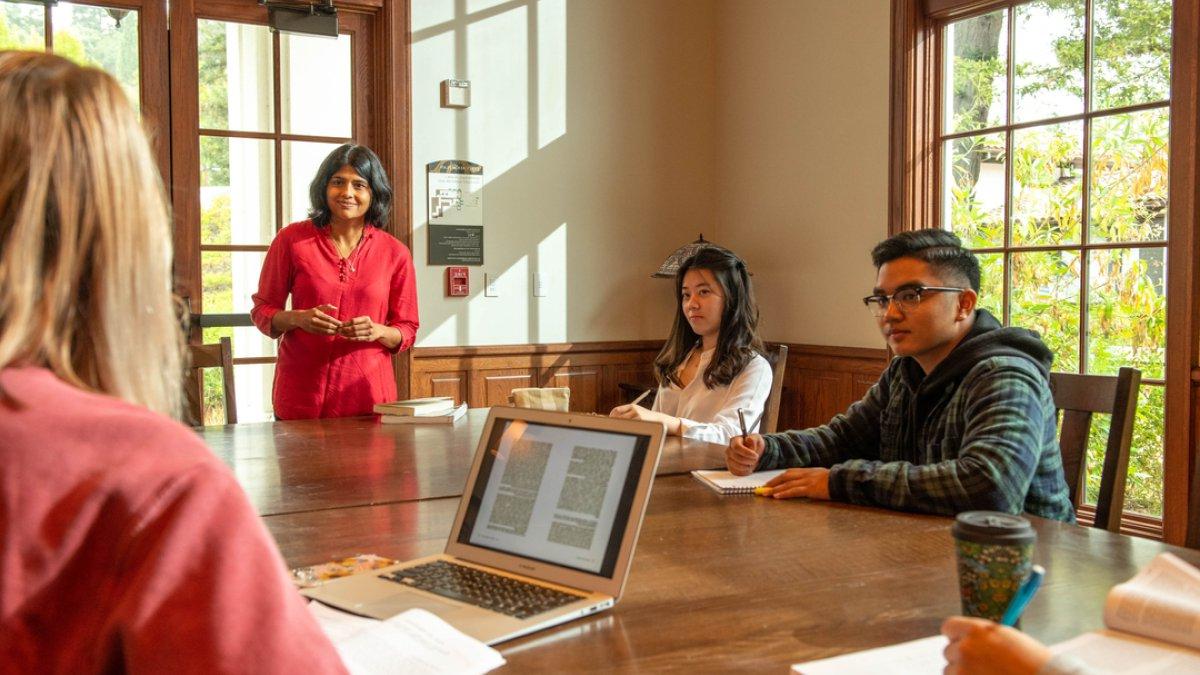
[918, 657]
[723, 480]
[1161, 602]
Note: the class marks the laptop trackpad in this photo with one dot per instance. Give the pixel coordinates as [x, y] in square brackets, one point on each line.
[402, 602]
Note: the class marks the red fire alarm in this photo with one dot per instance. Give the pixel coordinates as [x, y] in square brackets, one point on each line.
[458, 282]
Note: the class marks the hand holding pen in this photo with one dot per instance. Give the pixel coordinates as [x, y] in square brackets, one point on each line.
[631, 411]
[743, 452]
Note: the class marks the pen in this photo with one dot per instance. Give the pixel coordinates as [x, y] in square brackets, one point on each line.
[742, 421]
[1024, 594]
[758, 419]
[639, 398]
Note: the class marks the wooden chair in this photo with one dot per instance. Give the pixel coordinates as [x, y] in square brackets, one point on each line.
[218, 355]
[1078, 397]
[778, 360]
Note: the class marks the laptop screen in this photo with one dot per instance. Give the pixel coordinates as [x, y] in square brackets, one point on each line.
[555, 494]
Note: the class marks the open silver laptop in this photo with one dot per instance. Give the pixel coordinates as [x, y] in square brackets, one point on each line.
[544, 533]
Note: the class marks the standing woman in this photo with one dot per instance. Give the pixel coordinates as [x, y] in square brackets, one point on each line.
[354, 288]
[125, 544]
[712, 363]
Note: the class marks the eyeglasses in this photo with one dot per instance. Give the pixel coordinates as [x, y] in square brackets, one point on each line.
[906, 299]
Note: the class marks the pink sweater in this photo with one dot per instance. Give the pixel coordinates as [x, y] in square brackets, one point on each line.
[126, 546]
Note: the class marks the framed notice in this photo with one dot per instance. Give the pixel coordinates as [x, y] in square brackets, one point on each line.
[455, 212]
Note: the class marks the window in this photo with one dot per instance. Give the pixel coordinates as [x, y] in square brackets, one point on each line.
[238, 119]
[259, 148]
[1054, 148]
[1043, 133]
[103, 37]
[253, 115]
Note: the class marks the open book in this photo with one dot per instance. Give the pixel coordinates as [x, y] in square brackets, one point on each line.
[728, 484]
[1153, 623]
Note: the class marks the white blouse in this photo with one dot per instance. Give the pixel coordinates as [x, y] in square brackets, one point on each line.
[711, 414]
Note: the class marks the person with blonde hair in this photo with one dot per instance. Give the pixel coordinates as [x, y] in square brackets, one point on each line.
[125, 545]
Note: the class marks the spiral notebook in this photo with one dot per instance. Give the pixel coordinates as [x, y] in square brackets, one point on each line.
[729, 484]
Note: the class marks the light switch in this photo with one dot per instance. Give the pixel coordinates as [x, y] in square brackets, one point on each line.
[489, 285]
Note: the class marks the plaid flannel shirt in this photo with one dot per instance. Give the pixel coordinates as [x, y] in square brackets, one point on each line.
[985, 441]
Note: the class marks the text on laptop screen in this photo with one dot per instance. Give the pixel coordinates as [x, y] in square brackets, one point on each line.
[556, 494]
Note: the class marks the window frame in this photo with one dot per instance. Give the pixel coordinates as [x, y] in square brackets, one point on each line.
[380, 118]
[914, 187]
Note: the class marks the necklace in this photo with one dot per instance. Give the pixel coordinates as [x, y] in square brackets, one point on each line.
[345, 265]
[338, 245]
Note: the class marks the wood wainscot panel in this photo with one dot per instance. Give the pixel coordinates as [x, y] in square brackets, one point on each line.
[452, 383]
[585, 383]
[821, 382]
[485, 375]
[492, 387]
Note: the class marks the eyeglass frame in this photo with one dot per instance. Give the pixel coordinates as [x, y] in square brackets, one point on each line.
[887, 299]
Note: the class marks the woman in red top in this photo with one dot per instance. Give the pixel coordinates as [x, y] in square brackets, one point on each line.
[354, 288]
[125, 544]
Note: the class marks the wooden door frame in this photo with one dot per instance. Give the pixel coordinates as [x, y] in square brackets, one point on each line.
[384, 123]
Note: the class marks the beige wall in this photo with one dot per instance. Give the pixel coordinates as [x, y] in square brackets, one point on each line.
[594, 123]
[802, 150]
[611, 131]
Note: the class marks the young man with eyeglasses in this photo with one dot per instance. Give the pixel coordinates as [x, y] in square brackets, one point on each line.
[961, 420]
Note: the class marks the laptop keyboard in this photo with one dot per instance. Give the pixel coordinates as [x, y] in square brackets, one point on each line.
[517, 599]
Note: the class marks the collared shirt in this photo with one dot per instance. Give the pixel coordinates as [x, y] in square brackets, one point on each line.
[711, 414]
[328, 375]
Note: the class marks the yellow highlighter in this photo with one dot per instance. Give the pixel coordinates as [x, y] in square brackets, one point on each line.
[763, 491]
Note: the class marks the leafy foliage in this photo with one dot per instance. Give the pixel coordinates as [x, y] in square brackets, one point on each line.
[1125, 294]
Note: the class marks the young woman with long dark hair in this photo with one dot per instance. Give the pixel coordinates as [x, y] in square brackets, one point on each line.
[712, 363]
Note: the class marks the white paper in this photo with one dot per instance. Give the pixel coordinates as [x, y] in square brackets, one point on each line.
[1112, 652]
[918, 657]
[415, 642]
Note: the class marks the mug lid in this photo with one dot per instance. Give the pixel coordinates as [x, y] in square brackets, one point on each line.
[992, 526]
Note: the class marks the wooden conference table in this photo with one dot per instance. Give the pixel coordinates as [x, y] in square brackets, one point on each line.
[718, 583]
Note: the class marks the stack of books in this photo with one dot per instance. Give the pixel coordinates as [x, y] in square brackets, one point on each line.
[432, 410]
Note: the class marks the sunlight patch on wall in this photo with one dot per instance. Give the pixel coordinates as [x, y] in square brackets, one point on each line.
[427, 13]
[445, 333]
[498, 58]
[552, 70]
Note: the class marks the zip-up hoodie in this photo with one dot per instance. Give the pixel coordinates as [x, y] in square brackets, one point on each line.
[979, 432]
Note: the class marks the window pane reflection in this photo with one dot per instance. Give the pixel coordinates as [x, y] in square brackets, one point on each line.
[237, 190]
[235, 76]
[974, 201]
[22, 27]
[300, 163]
[314, 80]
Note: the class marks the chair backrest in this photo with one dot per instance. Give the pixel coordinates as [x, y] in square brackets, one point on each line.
[218, 355]
[1078, 397]
[778, 360]
[542, 398]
